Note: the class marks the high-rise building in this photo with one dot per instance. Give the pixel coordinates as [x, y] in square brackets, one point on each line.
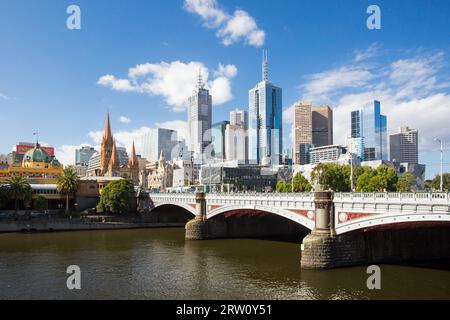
[313, 127]
[200, 118]
[122, 155]
[404, 146]
[236, 141]
[218, 139]
[157, 140]
[322, 126]
[302, 132]
[369, 132]
[83, 155]
[265, 128]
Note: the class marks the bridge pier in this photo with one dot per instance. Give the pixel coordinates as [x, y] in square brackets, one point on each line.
[197, 228]
[322, 248]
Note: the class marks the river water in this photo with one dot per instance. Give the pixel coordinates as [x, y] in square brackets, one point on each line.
[160, 264]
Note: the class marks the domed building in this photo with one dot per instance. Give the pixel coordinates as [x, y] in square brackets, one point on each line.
[37, 166]
[41, 171]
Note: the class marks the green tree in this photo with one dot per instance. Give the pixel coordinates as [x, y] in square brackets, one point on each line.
[383, 178]
[116, 197]
[332, 176]
[388, 178]
[405, 182]
[301, 184]
[281, 186]
[436, 182]
[68, 183]
[40, 203]
[19, 190]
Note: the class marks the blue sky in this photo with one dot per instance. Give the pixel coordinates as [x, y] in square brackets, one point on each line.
[137, 58]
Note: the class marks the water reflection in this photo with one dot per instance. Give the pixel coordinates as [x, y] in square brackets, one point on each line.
[159, 264]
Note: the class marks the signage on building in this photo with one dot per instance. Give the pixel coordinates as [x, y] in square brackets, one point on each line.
[23, 148]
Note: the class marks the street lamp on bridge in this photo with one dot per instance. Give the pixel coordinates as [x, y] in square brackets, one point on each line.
[442, 159]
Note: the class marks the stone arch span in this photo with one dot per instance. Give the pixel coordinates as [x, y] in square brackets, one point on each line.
[257, 222]
[166, 212]
[295, 216]
[354, 222]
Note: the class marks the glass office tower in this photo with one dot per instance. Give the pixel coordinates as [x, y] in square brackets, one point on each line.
[369, 132]
[265, 128]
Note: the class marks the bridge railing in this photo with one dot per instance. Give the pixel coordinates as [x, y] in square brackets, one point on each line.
[416, 197]
[263, 195]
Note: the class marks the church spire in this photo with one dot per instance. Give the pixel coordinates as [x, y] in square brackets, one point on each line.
[265, 64]
[107, 133]
[133, 159]
[114, 162]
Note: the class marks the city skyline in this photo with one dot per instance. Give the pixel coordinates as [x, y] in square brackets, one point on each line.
[411, 77]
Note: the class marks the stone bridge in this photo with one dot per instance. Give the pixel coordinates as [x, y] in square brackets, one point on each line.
[344, 228]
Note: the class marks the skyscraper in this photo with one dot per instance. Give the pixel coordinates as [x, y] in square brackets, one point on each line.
[83, 155]
[302, 131]
[369, 132]
[265, 128]
[236, 141]
[157, 140]
[200, 118]
[322, 126]
[404, 146]
[313, 127]
[218, 139]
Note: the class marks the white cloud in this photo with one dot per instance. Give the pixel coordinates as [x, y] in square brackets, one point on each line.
[320, 86]
[370, 52]
[66, 153]
[124, 119]
[174, 81]
[116, 84]
[231, 27]
[411, 91]
[4, 96]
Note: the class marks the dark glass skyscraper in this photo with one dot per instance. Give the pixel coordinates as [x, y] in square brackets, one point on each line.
[369, 132]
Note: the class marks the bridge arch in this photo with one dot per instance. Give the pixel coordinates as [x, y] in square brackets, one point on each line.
[289, 215]
[380, 221]
[184, 206]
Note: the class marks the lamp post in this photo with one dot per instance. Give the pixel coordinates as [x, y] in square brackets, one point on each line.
[351, 164]
[442, 159]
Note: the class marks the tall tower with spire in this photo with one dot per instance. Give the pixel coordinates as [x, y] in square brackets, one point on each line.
[265, 65]
[107, 147]
[114, 164]
[265, 127]
[200, 118]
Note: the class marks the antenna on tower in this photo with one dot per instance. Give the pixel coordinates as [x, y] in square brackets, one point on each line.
[200, 83]
[265, 65]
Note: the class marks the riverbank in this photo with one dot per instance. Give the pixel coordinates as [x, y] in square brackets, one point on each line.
[76, 225]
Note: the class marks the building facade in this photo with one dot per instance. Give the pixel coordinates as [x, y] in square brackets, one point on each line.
[83, 155]
[265, 127]
[218, 139]
[161, 175]
[369, 132]
[200, 119]
[313, 127]
[236, 140]
[322, 126]
[110, 162]
[404, 146]
[302, 132]
[330, 153]
[157, 140]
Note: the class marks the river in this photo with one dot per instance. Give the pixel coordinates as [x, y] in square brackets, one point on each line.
[160, 264]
